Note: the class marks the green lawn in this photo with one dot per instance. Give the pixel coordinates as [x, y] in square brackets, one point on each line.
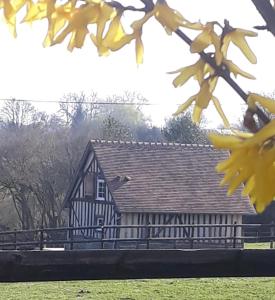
[257, 245]
[226, 288]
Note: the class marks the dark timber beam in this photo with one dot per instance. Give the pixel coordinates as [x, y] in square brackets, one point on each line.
[127, 264]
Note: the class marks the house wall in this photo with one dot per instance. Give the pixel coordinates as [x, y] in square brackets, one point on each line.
[178, 219]
[85, 210]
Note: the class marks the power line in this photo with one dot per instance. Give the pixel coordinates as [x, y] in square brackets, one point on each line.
[80, 102]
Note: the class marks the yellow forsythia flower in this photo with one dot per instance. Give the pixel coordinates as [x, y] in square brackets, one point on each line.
[202, 99]
[58, 20]
[77, 26]
[206, 38]
[40, 10]
[265, 102]
[236, 70]
[237, 37]
[9, 14]
[205, 75]
[251, 163]
[106, 13]
[93, 12]
[139, 49]
[10, 8]
[137, 27]
[115, 38]
[198, 70]
[171, 19]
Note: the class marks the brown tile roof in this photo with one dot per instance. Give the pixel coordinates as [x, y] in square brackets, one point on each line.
[157, 177]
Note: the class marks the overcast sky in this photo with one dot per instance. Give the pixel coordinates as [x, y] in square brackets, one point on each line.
[29, 71]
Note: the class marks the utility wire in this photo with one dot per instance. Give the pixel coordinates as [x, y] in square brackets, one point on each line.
[75, 102]
[80, 102]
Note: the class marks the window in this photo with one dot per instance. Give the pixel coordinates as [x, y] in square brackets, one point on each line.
[99, 221]
[100, 190]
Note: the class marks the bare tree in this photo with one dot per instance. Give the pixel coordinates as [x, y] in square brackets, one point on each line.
[16, 113]
[39, 158]
[75, 108]
[35, 174]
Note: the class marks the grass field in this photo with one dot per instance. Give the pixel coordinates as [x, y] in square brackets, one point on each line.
[257, 245]
[226, 288]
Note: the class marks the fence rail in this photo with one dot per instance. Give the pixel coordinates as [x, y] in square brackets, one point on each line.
[230, 236]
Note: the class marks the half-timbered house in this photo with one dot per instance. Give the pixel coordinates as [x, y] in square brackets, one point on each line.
[133, 183]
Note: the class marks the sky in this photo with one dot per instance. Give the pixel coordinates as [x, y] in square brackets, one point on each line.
[29, 71]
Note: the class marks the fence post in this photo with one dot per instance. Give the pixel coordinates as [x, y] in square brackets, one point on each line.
[71, 238]
[102, 237]
[41, 239]
[116, 234]
[191, 237]
[271, 234]
[175, 236]
[15, 239]
[225, 235]
[234, 234]
[148, 236]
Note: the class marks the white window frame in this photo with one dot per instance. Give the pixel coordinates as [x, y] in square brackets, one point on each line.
[98, 182]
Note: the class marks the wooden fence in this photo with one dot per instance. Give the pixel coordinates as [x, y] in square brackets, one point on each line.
[65, 237]
[20, 260]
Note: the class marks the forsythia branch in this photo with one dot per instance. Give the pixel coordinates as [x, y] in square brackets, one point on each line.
[223, 72]
[148, 6]
[266, 10]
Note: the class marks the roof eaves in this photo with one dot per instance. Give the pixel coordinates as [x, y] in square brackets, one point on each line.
[130, 210]
[160, 144]
[73, 182]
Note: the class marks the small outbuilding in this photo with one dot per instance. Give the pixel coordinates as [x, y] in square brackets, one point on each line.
[140, 183]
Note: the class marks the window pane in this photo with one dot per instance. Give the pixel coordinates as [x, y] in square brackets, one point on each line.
[100, 189]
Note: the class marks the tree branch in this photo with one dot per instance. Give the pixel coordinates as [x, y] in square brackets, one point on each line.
[224, 73]
[148, 6]
[266, 10]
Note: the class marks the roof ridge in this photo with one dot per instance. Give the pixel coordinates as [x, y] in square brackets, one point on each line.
[119, 142]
